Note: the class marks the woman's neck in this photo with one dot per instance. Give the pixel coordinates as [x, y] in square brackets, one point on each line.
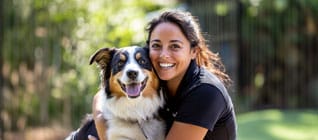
[172, 88]
[173, 85]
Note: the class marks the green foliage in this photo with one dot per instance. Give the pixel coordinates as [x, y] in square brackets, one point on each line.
[46, 50]
[278, 40]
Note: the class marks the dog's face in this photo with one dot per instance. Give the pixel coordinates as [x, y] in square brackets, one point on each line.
[126, 72]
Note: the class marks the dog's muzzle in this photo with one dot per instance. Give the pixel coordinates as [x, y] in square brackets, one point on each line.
[133, 88]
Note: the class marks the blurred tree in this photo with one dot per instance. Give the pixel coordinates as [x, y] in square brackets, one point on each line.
[278, 55]
[1, 79]
[46, 47]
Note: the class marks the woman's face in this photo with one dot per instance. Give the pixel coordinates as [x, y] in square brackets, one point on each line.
[170, 52]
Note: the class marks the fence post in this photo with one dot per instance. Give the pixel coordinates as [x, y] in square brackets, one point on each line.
[1, 63]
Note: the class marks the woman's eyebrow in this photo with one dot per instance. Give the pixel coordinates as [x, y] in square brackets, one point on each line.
[176, 41]
[171, 41]
[155, 40]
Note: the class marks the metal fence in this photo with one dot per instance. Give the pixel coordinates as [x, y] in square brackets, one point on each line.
[269, 49]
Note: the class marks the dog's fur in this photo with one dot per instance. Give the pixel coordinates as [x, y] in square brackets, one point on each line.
[130, 94]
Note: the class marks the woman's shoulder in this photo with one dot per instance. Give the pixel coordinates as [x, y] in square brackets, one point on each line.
[210, 93]
[206, 91]
[207, 77]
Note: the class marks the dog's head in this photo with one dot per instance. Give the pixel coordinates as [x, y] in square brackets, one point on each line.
[126, 72]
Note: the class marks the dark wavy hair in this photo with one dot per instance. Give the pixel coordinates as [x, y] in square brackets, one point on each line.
[190, 28]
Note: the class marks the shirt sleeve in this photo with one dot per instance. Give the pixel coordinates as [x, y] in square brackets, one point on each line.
[203, 106]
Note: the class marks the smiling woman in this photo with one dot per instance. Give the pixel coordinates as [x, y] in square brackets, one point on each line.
[198, 105]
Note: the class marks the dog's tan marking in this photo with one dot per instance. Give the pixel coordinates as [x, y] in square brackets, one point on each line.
[138, 56]
[122, 57]
[115, 86]
[152, 84]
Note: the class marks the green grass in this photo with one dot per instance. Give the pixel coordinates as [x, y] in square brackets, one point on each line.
[278, 125]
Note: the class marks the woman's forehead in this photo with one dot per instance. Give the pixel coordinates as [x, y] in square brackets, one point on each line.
[167, 30]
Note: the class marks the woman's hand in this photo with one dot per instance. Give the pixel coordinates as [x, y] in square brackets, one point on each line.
[90, 137]
[99, 120]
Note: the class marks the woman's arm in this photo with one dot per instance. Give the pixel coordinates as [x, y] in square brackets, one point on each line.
[185, 131]
[99, 120]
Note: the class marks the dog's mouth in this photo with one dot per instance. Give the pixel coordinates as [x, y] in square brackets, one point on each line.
[133, 89]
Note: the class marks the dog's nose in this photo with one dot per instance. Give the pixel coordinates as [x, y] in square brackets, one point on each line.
[132, 74]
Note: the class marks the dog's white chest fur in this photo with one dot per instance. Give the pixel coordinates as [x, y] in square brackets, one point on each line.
[133, 119]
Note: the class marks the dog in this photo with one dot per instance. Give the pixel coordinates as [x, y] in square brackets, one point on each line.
[131, 97]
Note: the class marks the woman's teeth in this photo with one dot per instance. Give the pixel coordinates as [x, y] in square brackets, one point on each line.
[166, 65]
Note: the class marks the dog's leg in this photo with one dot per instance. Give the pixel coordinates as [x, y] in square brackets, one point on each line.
[100, 122]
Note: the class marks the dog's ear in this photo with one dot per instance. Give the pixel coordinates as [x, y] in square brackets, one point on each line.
[102, 57]
[146, 48]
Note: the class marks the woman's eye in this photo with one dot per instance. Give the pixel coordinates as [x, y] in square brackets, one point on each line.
[175, 46]
[155, 46]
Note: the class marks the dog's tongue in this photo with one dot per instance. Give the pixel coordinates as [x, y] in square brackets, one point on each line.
[133, 89]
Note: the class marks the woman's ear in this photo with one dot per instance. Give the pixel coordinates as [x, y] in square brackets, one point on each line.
[194, 52]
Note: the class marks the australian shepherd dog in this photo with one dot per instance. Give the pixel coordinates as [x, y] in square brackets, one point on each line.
[130, 94]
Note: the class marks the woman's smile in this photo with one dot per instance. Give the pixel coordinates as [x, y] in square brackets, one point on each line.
[166, 65]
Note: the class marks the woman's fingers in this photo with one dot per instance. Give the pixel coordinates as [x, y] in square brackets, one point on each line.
[90, 137]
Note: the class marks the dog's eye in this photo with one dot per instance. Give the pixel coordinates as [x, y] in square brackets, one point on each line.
[141, 61]
[120, 63]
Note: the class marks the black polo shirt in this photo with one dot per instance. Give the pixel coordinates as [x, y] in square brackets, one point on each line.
[202, 100]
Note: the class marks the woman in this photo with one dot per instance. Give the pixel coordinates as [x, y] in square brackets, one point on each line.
[197, 103]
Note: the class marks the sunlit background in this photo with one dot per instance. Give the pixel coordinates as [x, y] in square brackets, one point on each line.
[269, 48]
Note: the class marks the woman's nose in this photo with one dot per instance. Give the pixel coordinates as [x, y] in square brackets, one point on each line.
[164, 53]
